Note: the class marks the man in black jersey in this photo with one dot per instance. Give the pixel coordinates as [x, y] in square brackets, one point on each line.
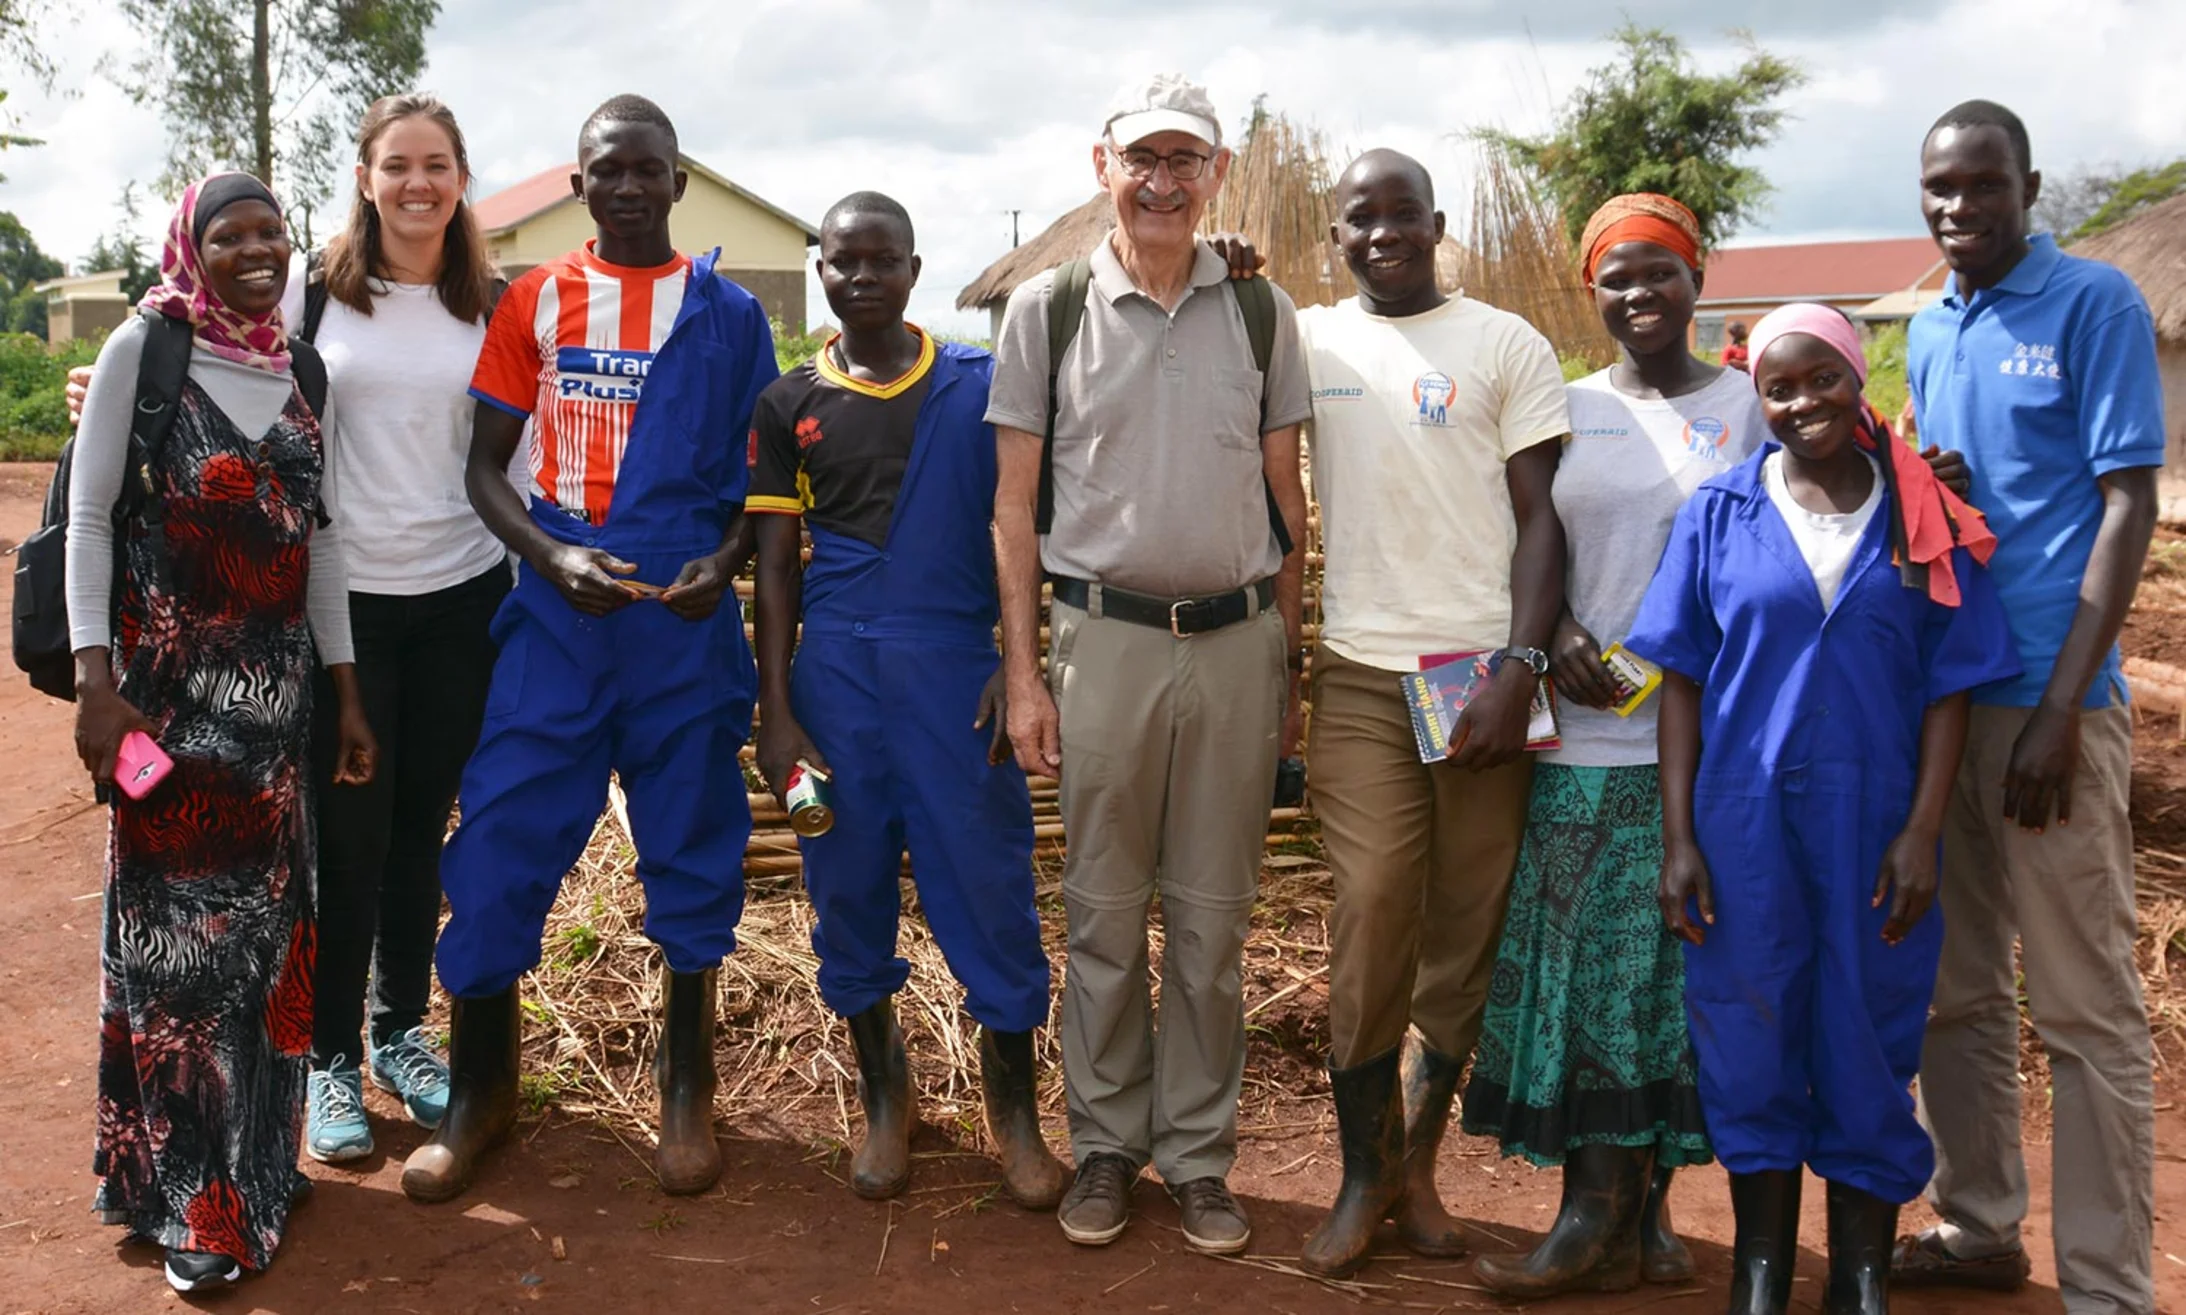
[879, 447]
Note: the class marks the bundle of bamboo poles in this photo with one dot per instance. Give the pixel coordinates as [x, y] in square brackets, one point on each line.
[1280, 192]
[1517, 257]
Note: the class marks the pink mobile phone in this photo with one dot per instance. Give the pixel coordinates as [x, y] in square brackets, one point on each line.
[140, 765]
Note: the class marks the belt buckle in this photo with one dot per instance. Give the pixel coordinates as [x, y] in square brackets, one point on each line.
[1176, 617]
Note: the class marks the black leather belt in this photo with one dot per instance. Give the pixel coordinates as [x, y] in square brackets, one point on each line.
[1178, 616]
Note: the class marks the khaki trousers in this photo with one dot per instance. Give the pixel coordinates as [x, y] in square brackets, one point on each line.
[1169, 749]
[1422, 856]
[2067, 895]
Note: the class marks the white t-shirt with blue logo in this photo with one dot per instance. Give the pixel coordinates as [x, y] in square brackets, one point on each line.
[1632, 462]
[1413, 419]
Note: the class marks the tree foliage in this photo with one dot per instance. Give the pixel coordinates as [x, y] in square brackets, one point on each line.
[22, 267]
[1649, 121]
[22, 48]
[23, 38]
[272, 86]
[2130, 195]
[122, 249]
[2070, 196]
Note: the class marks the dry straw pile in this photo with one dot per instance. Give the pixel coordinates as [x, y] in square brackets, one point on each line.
[593, 1006]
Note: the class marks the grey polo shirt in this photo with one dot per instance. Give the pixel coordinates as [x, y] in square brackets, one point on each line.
[1158, 475]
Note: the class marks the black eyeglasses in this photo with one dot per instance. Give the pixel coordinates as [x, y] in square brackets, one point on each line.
[1139, 162]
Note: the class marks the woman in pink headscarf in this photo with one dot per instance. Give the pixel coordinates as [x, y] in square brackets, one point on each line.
[1820, 614]
[204, 580]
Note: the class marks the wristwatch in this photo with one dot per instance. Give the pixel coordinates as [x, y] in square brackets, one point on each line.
[1532, 657]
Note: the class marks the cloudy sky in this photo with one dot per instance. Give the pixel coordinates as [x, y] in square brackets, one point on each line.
[966, 109]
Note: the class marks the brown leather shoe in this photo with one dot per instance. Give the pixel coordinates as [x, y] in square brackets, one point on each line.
[1009, 1082]
[1212, 1219]
[484, 1035]
[688, 1159]
[1922, 1261]
[1098, 1205]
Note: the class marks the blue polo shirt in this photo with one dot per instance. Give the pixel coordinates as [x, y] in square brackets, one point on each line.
[2046, 382]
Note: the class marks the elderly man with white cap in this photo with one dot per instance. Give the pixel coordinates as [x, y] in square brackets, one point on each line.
[1147, 416]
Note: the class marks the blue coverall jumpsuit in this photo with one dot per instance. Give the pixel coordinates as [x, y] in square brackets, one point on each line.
[898, 644]
[1806, 1025]
[662, 702]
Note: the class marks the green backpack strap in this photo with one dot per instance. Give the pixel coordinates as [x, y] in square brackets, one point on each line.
[1256, 302]
[1065, 311]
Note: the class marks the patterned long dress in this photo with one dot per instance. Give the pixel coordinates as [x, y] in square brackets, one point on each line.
[206, 954]
[1584, 1038]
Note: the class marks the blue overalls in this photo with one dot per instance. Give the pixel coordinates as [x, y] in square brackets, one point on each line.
[662, 702]
[898, 643]
[1806, 1025]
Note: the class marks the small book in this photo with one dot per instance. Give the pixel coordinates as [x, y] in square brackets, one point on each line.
[1636, 678]
[1439, 692]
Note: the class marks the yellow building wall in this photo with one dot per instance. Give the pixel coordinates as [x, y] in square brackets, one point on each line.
[709, 216]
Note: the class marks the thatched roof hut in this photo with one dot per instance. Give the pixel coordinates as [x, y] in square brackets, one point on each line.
[1074, 236]
[1071, 237]
[1280, 191]
[2151, 249]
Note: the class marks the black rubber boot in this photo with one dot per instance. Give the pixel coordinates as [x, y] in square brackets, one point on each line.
[1594, 1245]
[688, 1159]
[1430, 1084]
[1370, 1125]
[1663, 1254]
[1862, 1230]
[1009, 1080]
[882, 1166]
[484, 1034]
[1766, 1209]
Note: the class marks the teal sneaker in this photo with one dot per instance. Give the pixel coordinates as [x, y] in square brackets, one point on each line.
[334, 1126]
[416, 1075]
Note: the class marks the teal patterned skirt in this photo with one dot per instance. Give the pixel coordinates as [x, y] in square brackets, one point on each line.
[1584, 1042]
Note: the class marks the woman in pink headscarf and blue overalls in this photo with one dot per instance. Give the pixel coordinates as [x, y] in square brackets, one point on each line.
[1820, 614]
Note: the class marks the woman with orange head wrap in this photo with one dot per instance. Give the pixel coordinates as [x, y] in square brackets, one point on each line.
[1584, 1059]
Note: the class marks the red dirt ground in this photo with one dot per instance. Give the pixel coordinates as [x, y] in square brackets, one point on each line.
[781, 1234]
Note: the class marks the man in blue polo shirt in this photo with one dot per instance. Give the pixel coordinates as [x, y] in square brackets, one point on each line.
[2040, 369]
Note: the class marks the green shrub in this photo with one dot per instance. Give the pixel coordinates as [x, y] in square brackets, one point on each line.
[794, 349]
[33, 411]
[1886, 389]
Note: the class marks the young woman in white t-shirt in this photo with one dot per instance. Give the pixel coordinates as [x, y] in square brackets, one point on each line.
[1584, 1059]
[407, 288]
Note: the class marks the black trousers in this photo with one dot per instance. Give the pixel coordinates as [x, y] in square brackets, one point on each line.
[423, 664]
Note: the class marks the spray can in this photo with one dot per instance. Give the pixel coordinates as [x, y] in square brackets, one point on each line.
[811, 803]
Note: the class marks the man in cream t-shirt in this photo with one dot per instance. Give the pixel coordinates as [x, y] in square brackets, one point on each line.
[1436, 427]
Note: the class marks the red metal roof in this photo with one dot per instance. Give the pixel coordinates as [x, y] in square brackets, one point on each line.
[514, 204]
[1807, 270]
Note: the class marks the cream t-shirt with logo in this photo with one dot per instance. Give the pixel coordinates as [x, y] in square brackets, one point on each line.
[1413, 419]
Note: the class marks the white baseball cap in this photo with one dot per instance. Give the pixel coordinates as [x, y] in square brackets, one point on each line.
[1165, 102]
